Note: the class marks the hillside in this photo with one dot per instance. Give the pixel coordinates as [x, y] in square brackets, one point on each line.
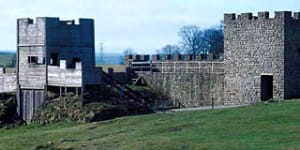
[260, 126]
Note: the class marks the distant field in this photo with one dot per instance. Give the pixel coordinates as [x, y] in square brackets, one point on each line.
[259, 126]
[108, 58]
[116, 67]
[10, 70]
[6, 59]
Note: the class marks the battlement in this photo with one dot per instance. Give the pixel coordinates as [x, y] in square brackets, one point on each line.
[53, 31]
[176, 57]
[51, 20]
[63, 76]
[63, 65]
[278, 15]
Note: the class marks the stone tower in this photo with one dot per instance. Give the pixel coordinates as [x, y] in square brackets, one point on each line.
[262, 57]
[53, 55]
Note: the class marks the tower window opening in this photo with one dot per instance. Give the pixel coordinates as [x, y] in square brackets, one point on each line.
[33, 59]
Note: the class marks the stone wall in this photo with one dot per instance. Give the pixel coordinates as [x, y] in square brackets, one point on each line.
[256, 48]
[192, 83]
[259, 45]
[253, 46]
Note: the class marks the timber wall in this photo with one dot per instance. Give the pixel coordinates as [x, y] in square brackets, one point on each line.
[7, 81]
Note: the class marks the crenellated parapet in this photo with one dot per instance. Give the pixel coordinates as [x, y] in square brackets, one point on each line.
[259, 46]
[176, 57]
[53, 31]
[137, 57]
[244, 18]
[203, 63]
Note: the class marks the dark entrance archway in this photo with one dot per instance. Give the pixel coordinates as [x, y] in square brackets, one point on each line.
[266, 87]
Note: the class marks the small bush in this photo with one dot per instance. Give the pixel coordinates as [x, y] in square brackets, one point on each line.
[69, 108]
[8, 114]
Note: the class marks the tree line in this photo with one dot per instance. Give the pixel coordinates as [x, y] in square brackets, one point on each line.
[194, 40]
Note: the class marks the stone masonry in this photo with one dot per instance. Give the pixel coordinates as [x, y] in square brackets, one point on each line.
[182, 81]
[259, 46]
[261, 62]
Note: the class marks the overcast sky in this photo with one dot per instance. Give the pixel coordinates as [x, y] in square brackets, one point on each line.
[144, 25]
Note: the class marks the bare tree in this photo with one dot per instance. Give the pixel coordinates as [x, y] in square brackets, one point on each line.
[191, 39]
[197, 41]
[214, 39]
[170, 49]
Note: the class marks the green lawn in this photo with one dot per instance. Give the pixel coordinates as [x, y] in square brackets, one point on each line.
[260, 126]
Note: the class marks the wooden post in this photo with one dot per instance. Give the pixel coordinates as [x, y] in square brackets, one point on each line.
[174, 67]
[45, 93]
[211, 93]
[19, 104]
[77, 91]
[60, 91]
[66, 91]
[162, 66]
[151, 66]
[111, 74]
[81, 93]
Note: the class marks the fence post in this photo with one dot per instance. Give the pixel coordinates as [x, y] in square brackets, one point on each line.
[162, 66]
[174, 67]
[150, 65]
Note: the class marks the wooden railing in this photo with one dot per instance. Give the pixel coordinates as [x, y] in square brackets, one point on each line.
[179, 66]
[136, 96]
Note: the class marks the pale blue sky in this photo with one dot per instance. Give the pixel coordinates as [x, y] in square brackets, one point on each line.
[144, 25]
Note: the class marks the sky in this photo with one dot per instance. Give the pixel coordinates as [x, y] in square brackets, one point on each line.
[143, 25]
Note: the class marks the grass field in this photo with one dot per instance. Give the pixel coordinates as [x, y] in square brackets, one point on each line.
[6, 58]
[116, 67]
[259, 126]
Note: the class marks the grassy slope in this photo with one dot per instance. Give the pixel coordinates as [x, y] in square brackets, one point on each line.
[261, 126]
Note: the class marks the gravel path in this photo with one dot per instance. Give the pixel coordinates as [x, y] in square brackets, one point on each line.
[206, 108]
